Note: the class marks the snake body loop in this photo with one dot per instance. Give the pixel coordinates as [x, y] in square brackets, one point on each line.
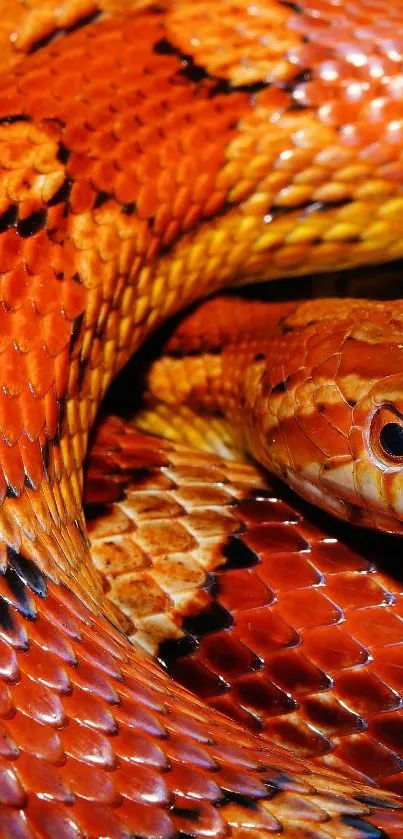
[151, 154]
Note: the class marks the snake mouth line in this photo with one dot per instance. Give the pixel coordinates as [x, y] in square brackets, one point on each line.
[356, 514]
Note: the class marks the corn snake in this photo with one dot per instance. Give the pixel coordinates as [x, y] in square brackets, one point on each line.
[94, 249]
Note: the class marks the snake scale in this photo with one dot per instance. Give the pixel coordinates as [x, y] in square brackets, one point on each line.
[152, 154]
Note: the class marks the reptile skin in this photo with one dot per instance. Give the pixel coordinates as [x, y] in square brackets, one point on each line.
[147, 159]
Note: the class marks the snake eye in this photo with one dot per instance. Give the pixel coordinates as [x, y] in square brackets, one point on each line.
[387, 435]
[391, 439]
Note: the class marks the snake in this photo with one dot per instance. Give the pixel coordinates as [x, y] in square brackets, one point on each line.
[153, 154]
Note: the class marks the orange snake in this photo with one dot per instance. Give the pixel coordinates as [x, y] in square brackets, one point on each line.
[156, 154]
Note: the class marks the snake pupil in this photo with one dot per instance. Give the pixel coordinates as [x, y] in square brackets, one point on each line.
[391, 439]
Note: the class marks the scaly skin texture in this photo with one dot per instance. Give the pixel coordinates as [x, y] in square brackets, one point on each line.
[302, 387]
[289, 625]
[133, 180]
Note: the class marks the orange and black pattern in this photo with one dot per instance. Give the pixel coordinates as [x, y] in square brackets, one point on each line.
[150, 154]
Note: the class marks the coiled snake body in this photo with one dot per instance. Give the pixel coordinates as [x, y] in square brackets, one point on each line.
[157, 154]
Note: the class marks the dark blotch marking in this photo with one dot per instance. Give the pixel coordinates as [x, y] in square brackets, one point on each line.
[63, 153]
[260, 356]
[28, 483]
[195, 73]
[28, 572]
[367, 831]
[6, 621]
[212, 619]
[84, 20]
[295, 7]
[19, 590]
[8, 218]
[351, 403]
[75, 332]
[281, 387]
[29, 226]
[187, 812]
[101, 198]
[11, 118]
[62, 194]
[95, 511]
[238, 554]
[129, 208]
[377, 801]
[45, 452]
[173, 648]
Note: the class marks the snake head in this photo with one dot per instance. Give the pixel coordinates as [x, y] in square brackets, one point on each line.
[329, 420]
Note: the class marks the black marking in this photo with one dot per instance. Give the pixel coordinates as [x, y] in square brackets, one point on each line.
[281, 387]
[195, 73]
[63, 153]
[129, 208]
[11, 492]
[260, 356]
[28, 483]
[85, 20]
[75, 331]
[212, 619]
[173, 648]
[62, 194]
[11, 118]
[218, 413]
[95, 511]
[295, 7]
[377, 801]
[351, 403]
[101, 198]
[6, 621]
[20, 592]
[238, 554]
[367, 831]
[76, 278]
[187, 812]
[300, 78]
[45, 452]
[28, 572]
[8, 218]
[31, 224]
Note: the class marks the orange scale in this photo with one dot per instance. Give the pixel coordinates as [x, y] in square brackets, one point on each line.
[95, 820]
[355, 591]
[82, 196]
[179, 748]
[9, 669]
[144, 785]
[7, 708]
[330, 717]
[43, 635]
[35, 738]
[97, 785]
[316, 427]
[87, 746]
[134, 748]
[182, 723]
[46, 781]
[109, 639]
[89, 711]
[150, 822]
[241, 783]
[265, 631]
[85, 676]
[384, 628]
[332, 649]
[310, 608]
[195, 784]
[12, 467]
[11, 421]
[13, 371]
[49, 820]
[46, 291]
[39, 665]
[139, 693]
[360, 751]
[295, 674]
[33, 413]
[39, 371]
[56, 332]
[197, 819]
[16, 287]
[12, 794]
[39, 703]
